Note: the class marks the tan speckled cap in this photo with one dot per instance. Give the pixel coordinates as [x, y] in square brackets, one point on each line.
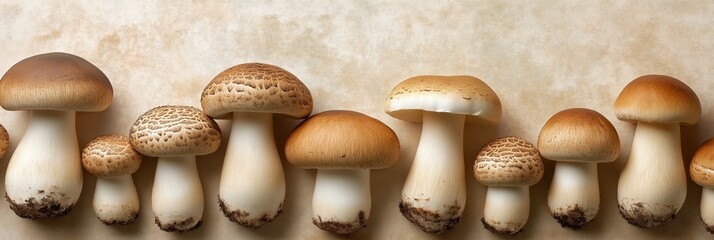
[55, 81]
[509, 161]
[579, 135]
[4, 141]
[702, 167]
[658, 99]
[110, 156]
[465, 95]
[170, 131]
[342, 140]
[256, 87]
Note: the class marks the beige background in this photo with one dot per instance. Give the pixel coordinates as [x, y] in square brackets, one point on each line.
[539, 57]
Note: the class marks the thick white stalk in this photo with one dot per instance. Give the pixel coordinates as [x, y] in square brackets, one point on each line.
[116, 200]
[574, 196]
[177, 196]
[341, 202]
[434, 193]
[653, 185]
[252, 186]
[44, 176]
[507, 209]
[707, 208]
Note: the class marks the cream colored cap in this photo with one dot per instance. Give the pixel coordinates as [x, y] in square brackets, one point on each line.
[658, 99]
[579, 135]
[110, 156]
[509, 161]
[702, 167]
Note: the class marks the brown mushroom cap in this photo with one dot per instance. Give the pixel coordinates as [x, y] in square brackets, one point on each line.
[110, 156]
[4, 141]
[702, 167]
[171, 131]
[658, 99]
[55, 81]
[579, 135]
[465, 95]
[256, 87]
[342, 140]
[509, 161]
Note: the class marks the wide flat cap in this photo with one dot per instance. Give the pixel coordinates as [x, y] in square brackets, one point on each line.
[110, 156]
[579, 135]
[702, 167]
[658, 99]
[509, 161]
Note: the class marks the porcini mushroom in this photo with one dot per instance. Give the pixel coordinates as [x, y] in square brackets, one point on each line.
[508, 166]
[702, 172]
[176, 134]
[434, 193]
[342, 146]
[653, 184]
[577, 139]
[252, 186]
[52, 86]
[112, 160]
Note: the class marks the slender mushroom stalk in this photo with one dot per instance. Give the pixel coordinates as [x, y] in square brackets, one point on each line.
[702, 172]
[341, 196]
[707, 208]
[177, 195]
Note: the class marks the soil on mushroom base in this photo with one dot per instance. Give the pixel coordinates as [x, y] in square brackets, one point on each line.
[639, 216]
[573, 218]
[33, 209]
[241, 217]
[429, 221]
[178, 226]
[342, 228]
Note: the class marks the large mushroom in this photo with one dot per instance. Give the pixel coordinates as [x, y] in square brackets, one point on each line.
[342, 146]
[252, 186]
[176, 134]
[52, 87]
[702, 172]
[653, 184]
[434, 193]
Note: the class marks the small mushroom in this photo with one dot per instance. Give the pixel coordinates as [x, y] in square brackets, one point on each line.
[508, 166]
[702, 172]
[112, 160]
[176, 134]
[4, 141]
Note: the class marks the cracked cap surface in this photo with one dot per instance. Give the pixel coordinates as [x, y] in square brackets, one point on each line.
[110, 156]
[508, 161]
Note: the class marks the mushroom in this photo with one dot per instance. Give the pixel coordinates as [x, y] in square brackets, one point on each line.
[653, 184]
[434, 193]
[52, 87]
[342, 146]
[508, 166]
[252, 186]
[112, 160]
[176, 134]
[4, 141]
[702, 172]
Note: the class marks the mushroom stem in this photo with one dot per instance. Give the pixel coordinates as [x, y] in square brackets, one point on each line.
[44, 176]
[434, 193]
[341, 202]
[177, 196]
[653, 185]
[574, 196]
[507, 209]
[116, 200]
[707, 208]
[252, 185]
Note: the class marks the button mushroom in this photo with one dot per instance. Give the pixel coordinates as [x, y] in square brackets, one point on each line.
[508, 166]
[342, 146]
[112, 160]
[702, 172]
[434, 193]
[653, 184]
[52, 87]
[252, 185]
[176, 134]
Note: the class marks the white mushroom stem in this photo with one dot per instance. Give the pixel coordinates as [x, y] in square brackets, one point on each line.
[45, 169]
[707, 208]
[177, 197]
[507, 209]
[252, 185]
[116, 200]
[341, 202]
[653, 185]
[574, 196]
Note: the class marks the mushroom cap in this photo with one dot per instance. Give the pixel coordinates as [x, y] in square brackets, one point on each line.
[702, 167]
[110, 156]
[508, 161]
[4, 141]
[55, 81]
[465, 95]
[658, 99]
[579, 135]
[342, 140]
[171, 131]
[256, 87]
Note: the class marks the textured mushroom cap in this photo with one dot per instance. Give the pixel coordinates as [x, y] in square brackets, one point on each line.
[171, 131]
[110, 156]
[4, 141]
[702, 167]
[658, 99]
[256, 87]
[509, 161]
[343, 140]
[579, 135]
[464, 95]
[55, 81]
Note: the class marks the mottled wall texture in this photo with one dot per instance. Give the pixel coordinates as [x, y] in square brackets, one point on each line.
[539, 57]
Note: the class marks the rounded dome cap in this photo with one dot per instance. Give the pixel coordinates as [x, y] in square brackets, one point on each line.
[170, 131]
[509, 161]
[110, 156]
[4, 141]
[658, 99]
[579, 135]
[702, 167]
[342, 140]
[55, 81]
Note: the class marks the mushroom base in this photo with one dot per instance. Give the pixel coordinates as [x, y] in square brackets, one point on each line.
[115, 221]
[645, 215]
[178, 226]
[430, 221]
[496, 230]
[342, 228]
[243, 218]
[573, 217]
[46, 207]
[709, 228]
